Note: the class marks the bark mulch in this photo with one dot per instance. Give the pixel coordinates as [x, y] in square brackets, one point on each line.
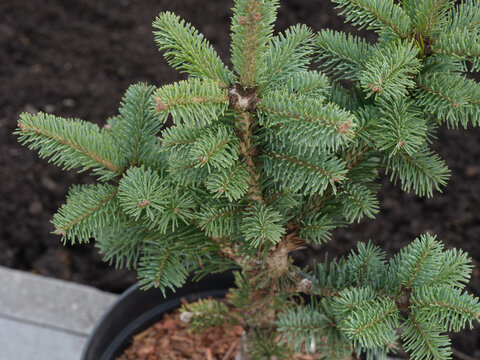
[169, 339]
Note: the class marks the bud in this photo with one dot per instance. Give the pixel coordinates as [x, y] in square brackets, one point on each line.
[257, 17]
[343, 127]
[304, 286]
[161, 105]
[242, 20]
[186, 316]
[143, 203]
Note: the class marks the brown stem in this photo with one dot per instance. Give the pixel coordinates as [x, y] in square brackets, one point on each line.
[304, 164]
[353, 159]
[165, 104]
[437, 93]
[439, 50]
[87, 213]
[318, 201]
[461, 355]
[105, 162]
[340, 127]
[248, 152]
[244, 103]
[386, 20]
[228, 251]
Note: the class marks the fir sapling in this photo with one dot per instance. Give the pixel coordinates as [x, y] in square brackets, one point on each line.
[270, 156]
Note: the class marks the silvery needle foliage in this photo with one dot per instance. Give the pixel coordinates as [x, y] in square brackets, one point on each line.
[269, 156]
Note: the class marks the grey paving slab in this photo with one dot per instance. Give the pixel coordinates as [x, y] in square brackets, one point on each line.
[24, 341]
[53, 303]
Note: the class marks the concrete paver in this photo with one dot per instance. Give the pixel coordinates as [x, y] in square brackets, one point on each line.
[44, 318]
[24, 341]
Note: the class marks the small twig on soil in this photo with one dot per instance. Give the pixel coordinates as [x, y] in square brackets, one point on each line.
[461, 355]
[232, 347]
[208, 353]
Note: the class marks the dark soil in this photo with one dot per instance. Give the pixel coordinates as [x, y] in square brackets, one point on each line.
[76, 58]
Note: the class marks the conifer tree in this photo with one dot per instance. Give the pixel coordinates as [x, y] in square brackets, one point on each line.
[269, 156]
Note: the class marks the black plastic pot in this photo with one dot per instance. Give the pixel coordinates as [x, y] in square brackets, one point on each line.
[135, 310]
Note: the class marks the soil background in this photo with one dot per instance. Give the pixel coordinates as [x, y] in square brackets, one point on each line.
[76, 58]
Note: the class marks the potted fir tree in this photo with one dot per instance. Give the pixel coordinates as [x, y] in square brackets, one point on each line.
[270, 156]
